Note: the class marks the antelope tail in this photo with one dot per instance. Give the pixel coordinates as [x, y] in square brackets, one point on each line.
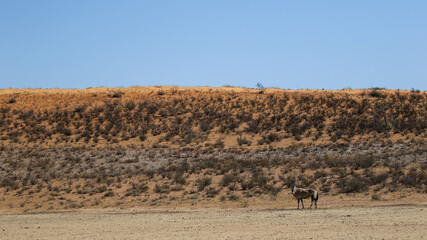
[316, 195]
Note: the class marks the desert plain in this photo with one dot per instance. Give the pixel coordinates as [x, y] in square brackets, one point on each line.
[380, 222]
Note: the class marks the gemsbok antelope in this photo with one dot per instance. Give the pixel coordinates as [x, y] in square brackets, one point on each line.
[301, 193]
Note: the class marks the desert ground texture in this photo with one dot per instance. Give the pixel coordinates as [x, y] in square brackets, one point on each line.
[381, 222]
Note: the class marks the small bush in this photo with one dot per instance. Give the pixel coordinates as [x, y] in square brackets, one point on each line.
[205, 126]
[319, 174]
[362, 161]
[142, 137]
[376, 93]
[116, 94]
[130, 105]
[203, 182]
[161, 188]
[410, 179]
[269, 138]
[353, 185]
[180, 179]
[290, 181]
[233, 197]
[376, 197]
[326, 187]
[211, 192]
[9, 182]
[272, 190]
[247, 185]
[109, 194]
[260, 179]
[219, 144]
[136, 189]
[378, 178]
[242, 140]
[334, 161]
[227, 179]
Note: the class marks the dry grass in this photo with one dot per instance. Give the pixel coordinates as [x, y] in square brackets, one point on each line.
[60, 178]
[202, 117]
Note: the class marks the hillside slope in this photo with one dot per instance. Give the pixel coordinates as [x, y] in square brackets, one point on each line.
[210, 118]
[233, 147]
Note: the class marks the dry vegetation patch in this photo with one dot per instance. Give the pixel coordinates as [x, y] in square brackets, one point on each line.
[156, 146]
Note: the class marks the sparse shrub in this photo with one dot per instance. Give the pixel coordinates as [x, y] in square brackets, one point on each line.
[333, 161]
[326, 187]
[290, 181]
[242, 140]
[376, 197]
[340, 171]
[162, 188]
[116, 94]
[352, 185]
[180, 179]
[211, 192]
[253, 126]
[208, 163]
[320, 174]
[150, 173]
[269, 138]
[136, 189]
[233, 187]
[219, 144]
[273, 137]
[203, 182]
[101, 189]
[378, 178]
[80, 108]
[413, 90]
[272, 190]
[304, 181]
[410, 179]
[247, 185]
[375, 93]
[257, 179]
[10, 182]
[233, 197]
[361, 161]
[130, 105]
[109, 194]
[227, 179]
[205, 126]
[314, 164]
[260, 179]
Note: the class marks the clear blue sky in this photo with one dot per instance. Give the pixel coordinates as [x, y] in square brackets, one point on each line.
[285, 44]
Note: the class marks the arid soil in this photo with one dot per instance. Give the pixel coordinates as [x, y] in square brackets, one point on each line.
[386, 222]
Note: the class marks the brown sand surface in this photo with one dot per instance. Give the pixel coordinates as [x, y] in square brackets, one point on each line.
[382, 222]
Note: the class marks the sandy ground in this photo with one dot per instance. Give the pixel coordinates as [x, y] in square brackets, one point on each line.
[385, 222]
